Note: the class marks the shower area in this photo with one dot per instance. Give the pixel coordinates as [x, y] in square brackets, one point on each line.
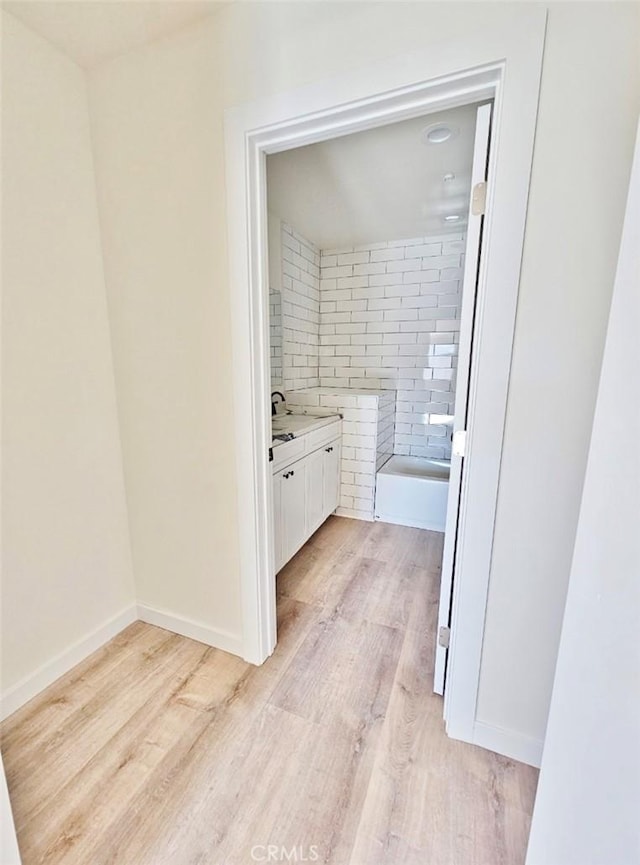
[366, 250]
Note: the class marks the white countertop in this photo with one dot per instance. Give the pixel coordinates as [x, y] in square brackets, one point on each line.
[299, 424]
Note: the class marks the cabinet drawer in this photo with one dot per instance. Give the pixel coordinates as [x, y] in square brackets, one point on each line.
[322, 436]
[288, 452]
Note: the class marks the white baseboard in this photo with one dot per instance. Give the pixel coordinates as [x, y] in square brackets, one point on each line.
[24, 690]
[510, 744]
[224, 640]
[354, 515]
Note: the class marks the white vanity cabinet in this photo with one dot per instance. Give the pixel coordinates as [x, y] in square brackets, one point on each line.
[306, 482]
[290, 490]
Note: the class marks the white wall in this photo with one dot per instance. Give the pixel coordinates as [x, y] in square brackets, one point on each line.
[66, 567]
[158, 131]
[346, 191]
[588, 799]
[157, 135]
[578, 190]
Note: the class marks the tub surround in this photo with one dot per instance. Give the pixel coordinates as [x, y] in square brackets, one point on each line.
[382, 316]
[390, 319]
[300, 310]
[275, 338]
[386, 427]
[371, 332]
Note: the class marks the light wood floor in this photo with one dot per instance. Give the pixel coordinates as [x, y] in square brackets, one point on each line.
[160, 751]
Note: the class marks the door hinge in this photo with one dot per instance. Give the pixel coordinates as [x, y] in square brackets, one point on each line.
[459, 442]
[444, 636]
[479, 199]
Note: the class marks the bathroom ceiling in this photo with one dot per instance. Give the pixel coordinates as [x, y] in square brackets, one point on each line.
[382, 184]
[92, 32]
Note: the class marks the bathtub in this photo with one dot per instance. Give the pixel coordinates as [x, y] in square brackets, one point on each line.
[412, 491]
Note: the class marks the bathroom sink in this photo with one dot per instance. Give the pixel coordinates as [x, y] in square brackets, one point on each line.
[298, 424]
[278, 424]
[291, 422]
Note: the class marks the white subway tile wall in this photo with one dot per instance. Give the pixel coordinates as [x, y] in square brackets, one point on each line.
[372, 332]
[386, 427]
[300, 311]
[390, 320]
[275, 338]
[367, 438]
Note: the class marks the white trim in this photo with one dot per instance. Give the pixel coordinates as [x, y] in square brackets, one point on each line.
[470, 69]
[348, 514]
[516, 746]
[29, 687]
[191, 629]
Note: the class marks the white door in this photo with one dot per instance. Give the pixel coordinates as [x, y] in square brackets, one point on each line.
[455, 502]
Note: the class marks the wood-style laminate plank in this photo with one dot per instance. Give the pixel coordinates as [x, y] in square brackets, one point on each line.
[158, 750]
[91, 727]
[37, 720]
[182, 798]
[433, 799]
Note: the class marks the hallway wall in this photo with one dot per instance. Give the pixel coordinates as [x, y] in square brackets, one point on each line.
[586, 810]
[66, 565]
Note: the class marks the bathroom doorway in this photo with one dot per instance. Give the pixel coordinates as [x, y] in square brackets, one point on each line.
[374, 248]
[338, 108]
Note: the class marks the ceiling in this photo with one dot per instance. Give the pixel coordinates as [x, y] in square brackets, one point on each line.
[382, 184]
[92, 32]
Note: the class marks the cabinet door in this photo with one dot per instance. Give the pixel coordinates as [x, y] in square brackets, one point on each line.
[331, 478]
[315, 490]
[278, 553]
[293, 509]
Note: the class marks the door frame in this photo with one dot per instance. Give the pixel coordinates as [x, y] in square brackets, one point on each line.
[471, 69]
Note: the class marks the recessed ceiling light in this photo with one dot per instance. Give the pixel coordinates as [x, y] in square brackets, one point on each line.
[452, 217]
[438, 133]
[449, 177]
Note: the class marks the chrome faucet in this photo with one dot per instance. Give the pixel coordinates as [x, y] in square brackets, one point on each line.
[273, 401]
